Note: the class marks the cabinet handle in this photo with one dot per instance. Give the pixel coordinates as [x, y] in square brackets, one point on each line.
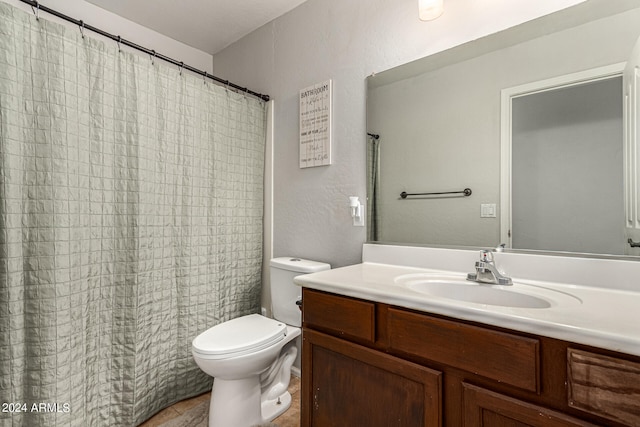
[633, 244]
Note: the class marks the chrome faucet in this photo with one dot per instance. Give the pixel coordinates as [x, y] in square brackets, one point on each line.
[486, 271]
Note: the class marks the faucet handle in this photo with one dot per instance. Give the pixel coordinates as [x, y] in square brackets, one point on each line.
[486, 255]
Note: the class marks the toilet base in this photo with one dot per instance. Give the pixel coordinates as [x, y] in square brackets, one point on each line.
[229, 394]
[244, 394]
[271, 409]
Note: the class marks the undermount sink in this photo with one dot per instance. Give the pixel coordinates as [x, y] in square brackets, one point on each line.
[457, 288]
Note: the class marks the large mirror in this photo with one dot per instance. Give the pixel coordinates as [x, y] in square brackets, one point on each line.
[514, 139]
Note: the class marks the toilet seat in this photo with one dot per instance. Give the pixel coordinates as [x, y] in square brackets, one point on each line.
[239, 336]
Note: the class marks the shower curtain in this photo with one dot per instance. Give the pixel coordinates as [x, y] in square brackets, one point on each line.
[130, 221]
[373, 187]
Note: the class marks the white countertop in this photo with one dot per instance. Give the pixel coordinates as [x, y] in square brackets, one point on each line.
[600, 317]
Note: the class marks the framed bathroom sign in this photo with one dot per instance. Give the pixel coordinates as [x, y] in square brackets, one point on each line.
[315, 125]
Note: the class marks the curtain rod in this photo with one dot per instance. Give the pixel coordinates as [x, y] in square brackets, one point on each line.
[37, 7]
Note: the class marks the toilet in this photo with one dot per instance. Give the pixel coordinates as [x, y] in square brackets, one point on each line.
[250, 357]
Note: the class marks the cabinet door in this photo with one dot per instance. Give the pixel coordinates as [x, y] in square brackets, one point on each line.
[345, 384]
[489, 409]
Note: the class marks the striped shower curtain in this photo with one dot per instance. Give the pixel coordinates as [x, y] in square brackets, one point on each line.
[130, 221]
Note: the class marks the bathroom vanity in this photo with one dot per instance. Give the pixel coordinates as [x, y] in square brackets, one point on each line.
[403, 339]
[383, 346]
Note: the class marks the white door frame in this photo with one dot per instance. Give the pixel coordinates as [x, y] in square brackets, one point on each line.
[506, 97]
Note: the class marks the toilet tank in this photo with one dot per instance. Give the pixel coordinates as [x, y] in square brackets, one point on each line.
[285, 293]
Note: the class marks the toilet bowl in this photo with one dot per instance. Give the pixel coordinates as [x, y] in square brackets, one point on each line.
[250, 357]
[237, 353]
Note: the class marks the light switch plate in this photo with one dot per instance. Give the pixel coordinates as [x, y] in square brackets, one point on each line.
[488, 210]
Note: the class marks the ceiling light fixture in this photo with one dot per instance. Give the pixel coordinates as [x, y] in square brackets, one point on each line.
[430, 9]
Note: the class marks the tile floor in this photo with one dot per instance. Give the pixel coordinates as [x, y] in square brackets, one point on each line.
[291, 418]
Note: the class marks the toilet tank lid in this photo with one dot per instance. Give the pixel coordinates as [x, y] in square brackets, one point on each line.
[299, 265]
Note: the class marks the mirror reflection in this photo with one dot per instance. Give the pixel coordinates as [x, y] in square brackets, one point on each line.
[542, 154]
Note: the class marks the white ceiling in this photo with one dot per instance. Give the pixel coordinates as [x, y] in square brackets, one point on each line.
[207, 25]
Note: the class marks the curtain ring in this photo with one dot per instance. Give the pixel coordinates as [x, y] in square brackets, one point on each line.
[82, 28]
[204, 78]
[153, 58]
[36, 11]
[181, 67]
[119, 41]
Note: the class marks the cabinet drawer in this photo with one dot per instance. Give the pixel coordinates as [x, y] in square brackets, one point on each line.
[604, 386]
[338, 315]
[487, 408]
[508, 358]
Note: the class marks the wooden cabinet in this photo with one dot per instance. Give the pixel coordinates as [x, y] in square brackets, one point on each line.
[501, 356]
[341, 378]
[488, 409]
[345, 317]
[367, 363]
[605, 386]
[346, 384]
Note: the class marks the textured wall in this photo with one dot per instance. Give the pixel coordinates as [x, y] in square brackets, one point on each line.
[344, 41]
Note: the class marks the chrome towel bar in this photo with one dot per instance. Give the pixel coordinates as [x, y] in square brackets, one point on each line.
[466, 192]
